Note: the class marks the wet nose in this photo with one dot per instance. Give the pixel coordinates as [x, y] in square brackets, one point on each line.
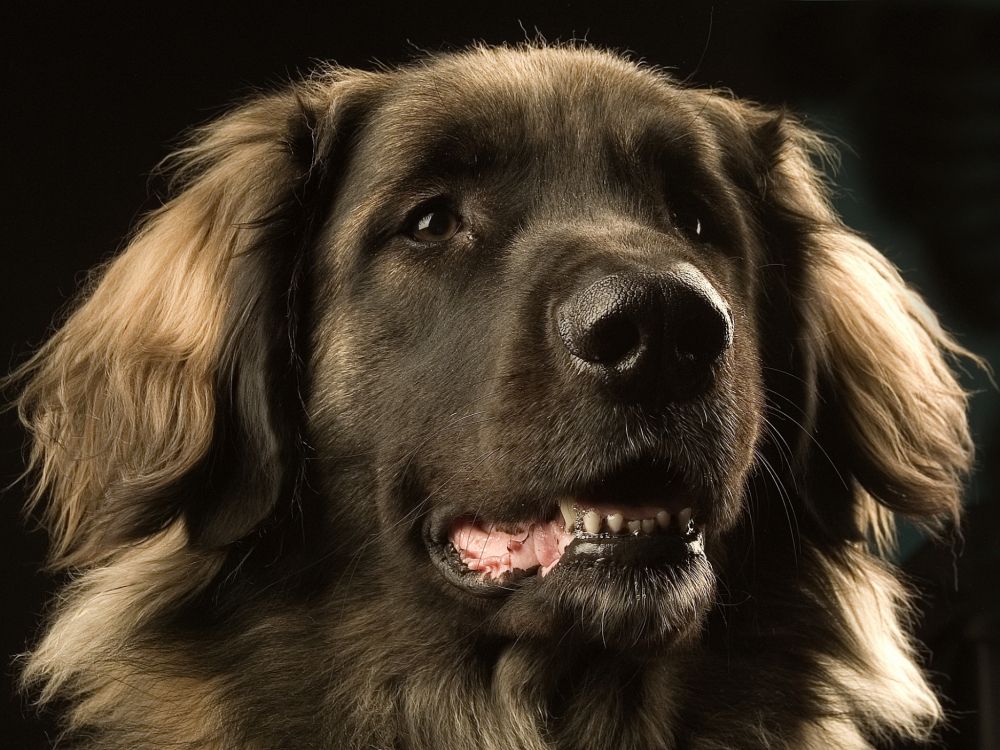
[646, 334]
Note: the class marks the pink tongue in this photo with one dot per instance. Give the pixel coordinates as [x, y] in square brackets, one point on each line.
[496, 552]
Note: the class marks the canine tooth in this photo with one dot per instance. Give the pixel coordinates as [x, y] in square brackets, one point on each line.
[568, 513]
[592, 522]
[634, 526]
[648, 525]
[684, 518]
[615, 522]
[663, 519]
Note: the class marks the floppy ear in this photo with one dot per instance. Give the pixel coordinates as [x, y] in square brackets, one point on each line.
[890, 417]
[173, 389]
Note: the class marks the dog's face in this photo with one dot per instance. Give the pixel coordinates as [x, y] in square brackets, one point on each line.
[430, 382]
[540, 290]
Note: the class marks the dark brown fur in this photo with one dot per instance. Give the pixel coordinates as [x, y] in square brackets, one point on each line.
[241, 432]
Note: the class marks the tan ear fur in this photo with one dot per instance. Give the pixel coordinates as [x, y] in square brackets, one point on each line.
[121, 400]
[884, 357]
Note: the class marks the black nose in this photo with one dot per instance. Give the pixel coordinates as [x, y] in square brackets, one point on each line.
[648, 335]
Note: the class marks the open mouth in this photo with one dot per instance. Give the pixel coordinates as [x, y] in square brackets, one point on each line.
[661, 528]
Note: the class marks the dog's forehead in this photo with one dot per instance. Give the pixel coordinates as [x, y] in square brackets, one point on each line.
[495, 100]
[484, 80]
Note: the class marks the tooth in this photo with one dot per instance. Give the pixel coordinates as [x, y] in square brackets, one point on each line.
[648, 525]
[568, 513]
[634, 526]
[663, 519]
[684, 518]
[592, 522]
[615, 522]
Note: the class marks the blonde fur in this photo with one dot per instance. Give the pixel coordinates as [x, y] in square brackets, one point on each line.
[91, 654]
[121, 399]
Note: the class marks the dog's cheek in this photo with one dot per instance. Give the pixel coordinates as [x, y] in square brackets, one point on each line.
[735, 416]
[398, 358]
[344, 415]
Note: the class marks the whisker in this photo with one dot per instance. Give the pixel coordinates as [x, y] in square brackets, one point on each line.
[819, 446]
[786, 502]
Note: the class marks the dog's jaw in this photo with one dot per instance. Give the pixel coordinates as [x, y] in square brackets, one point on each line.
[611, 570]
[607, 532]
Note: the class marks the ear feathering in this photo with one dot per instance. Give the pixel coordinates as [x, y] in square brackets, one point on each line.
[126, 398]
[885, 352]
[882, 355]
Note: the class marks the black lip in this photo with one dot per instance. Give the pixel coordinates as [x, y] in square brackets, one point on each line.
[644, 482]
[597, 551]
[656, 550]
[641, 482]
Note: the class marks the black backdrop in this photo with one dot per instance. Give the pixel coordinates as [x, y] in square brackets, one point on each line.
[93, 98]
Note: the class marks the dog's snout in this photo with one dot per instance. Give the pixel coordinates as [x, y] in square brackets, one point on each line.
[648, 335]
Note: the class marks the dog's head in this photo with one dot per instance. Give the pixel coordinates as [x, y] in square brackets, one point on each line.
[537, 341]
[549, 356]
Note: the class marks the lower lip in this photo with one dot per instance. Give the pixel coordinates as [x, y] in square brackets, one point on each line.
[604, 552]
[654, 551]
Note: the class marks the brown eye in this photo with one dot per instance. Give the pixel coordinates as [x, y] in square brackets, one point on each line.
[688, 222]
[436, 225]
[693, 227]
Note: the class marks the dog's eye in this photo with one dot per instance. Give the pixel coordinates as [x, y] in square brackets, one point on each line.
[435, 225]
[690, 223]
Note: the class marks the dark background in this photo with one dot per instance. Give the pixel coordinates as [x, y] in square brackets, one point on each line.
[93, 98]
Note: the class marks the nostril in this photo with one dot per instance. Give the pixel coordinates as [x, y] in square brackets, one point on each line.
[610, 340]
[608, 323]
[704, 336]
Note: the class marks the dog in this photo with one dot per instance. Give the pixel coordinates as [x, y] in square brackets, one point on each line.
[517, 397]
